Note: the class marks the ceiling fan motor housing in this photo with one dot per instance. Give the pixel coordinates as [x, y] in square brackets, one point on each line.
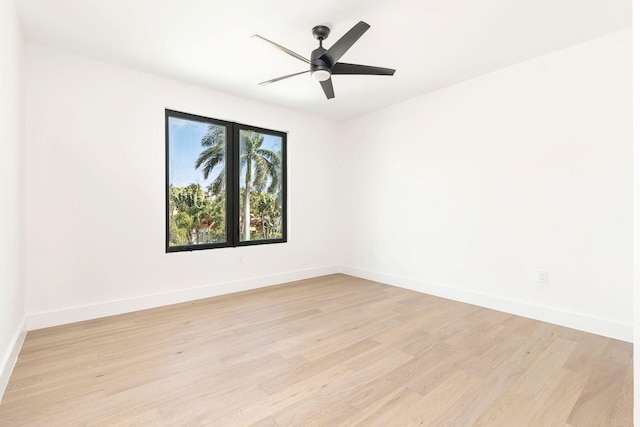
[317, 63]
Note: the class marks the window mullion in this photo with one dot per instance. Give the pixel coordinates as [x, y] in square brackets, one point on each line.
[233, 219]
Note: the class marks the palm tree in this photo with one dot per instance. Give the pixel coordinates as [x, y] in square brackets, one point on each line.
[261, 166]
[212, 156]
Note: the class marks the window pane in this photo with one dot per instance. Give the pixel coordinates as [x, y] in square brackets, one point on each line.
[261, 189]
[196, 168]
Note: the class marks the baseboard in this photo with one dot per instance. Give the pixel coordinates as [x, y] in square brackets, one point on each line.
[111, 308]
[11, 357]
[606, 327]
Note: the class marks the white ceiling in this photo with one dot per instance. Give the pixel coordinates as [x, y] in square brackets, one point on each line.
[431, 43]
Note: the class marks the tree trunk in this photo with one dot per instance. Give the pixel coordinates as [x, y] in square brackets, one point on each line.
[265, 233]
[247, 202]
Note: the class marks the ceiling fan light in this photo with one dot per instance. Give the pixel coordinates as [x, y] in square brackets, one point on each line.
[321, 75]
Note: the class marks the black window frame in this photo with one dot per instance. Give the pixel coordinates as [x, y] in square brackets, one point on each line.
[232, 183]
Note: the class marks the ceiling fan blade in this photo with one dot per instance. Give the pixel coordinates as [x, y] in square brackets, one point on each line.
[327, 86]
[277, 79]
[344, 68]
[339, 48]
[282, 48]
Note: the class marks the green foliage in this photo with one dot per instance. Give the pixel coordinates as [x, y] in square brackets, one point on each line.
[179, 228]
[267, 209]
[195, 216]
[265, 215]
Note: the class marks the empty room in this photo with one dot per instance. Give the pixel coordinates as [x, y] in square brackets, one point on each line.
[349, 213]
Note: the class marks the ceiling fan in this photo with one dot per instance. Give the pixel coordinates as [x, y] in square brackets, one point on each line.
[324, 63]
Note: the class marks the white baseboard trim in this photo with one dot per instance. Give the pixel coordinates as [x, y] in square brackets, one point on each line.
[596, 325]
[11, 357]
[111, 308]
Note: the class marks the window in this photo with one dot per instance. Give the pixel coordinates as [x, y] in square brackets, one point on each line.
[225, 183]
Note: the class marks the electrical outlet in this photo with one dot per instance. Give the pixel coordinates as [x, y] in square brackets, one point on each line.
[241, 260]
[543, 276]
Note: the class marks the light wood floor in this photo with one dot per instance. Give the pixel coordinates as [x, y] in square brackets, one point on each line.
[329, 351]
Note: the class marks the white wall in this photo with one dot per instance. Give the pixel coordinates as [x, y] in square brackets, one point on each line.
[469, 191]
[11, 206]
[95, 191]
[636, 209]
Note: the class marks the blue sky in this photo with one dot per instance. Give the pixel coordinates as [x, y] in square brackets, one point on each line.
[185, 147]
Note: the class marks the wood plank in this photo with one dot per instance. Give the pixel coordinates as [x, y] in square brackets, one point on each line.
[599, 397]
[623, 409]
